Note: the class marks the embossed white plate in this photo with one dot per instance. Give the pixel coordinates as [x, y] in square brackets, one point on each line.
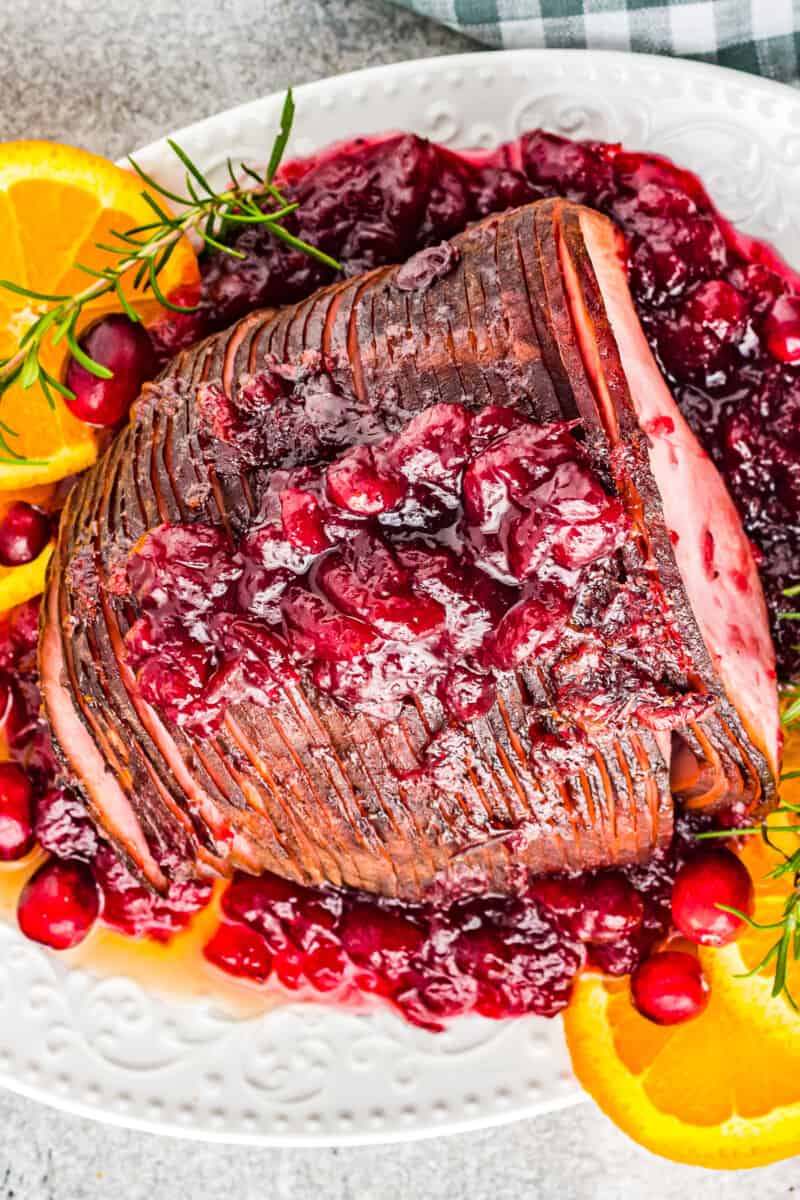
[105, 1047]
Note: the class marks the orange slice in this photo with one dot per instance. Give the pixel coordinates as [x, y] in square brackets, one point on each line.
[722, 1090]
[730, 969]
[713, 1092]
[56, 202]
[18, 584]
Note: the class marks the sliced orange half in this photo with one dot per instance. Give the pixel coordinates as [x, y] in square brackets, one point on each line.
[714, 1092]
[722, 1090]
[733, 970]
[56, 203]
[18, 584]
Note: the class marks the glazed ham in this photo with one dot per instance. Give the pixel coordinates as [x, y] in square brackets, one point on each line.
[420, 583]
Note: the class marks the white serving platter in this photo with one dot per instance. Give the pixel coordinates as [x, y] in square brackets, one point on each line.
[108, 1048]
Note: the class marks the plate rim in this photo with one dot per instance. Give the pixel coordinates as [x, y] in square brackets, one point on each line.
[168, 1125]
[672, 63]
[363, 1137]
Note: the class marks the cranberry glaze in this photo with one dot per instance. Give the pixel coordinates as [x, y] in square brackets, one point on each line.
[410, 513]
[422, 562]
[719, 309]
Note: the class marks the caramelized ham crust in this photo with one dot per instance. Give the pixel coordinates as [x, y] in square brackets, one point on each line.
[531, 310]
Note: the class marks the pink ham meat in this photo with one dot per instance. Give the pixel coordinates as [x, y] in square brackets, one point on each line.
[718, 580]
[532, 311]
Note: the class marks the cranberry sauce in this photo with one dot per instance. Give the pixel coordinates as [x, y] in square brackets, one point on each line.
[34, 806]
[719, 309]
[422, 563]
[722, 314]
[499, 956]
[495, 955]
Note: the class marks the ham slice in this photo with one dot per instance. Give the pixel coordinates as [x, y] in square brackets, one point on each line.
[716, 566]
[529, 310]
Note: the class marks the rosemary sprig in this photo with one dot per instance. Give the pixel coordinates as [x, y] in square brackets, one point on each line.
[787, 943]
[786, 946]
[146, 249]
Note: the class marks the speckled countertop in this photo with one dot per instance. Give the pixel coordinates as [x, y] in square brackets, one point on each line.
[111, 75]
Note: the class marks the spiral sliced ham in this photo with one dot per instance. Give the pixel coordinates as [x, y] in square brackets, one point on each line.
[534, 311]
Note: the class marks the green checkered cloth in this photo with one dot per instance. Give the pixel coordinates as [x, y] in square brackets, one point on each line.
[762, 36]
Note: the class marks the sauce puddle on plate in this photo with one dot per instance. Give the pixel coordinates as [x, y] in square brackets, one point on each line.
[175, 970]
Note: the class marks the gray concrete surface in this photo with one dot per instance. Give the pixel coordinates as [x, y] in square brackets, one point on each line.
[113, 75]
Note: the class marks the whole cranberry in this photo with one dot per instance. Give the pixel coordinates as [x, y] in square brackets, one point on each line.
[700, 340]
[711, 878]
[617, 958]
[381, 939]
[575, 170]
[669, 987]
[782, 329]
[59, 904]
[24, 533]
[176, 678]
[124, 347]
[240, 951]
[325, 964]
[302, 521]
[718, 307]
[561, 897]
[16, 812]
[760, 285]
[363, 485]
[289, 967]
[610, 909]
[317, 630]
[482, 952]
[434, 446]
[531, 627]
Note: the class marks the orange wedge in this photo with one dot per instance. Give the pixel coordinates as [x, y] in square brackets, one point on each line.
[18, 584]
[714, 1092]
[56, 203]
[722, 1090]
[732, 970]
